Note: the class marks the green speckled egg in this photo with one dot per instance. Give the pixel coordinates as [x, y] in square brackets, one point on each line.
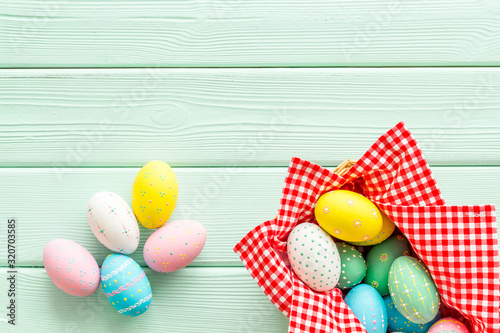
[412, 290]
[353, 266]
[379, 260]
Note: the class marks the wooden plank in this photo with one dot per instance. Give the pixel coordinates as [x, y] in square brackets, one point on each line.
[123, 33]
[243, 117]
[190, 300]
[229, 202]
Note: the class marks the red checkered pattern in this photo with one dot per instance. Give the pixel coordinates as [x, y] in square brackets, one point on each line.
[458, 243]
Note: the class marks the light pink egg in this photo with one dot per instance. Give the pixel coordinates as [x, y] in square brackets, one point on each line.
[174, 246]
[71, 267]
[448, 324]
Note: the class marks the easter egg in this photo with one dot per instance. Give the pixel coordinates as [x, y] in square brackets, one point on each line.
[126, 285]
[154, 194]
[448, 325]
[387, 229]
[313, 257]
[353, 267]
[174, 246]
[348, 216]
[368, 306]
[113, 222]
[379, 261]
[398, 323]
[413, 291]
[71, 267]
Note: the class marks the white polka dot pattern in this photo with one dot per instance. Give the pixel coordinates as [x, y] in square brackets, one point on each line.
[314, 257]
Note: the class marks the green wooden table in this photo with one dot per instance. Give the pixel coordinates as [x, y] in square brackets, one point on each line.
[226, 92]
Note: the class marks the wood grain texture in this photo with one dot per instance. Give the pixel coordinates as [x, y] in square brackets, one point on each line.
[243, 117]
[190, 300]
[228, 204]
[124, 33]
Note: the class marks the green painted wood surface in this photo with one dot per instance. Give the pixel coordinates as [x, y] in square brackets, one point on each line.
[190, 300]
[249, 33]
[48, 205]
[86, 124]
[243, 117]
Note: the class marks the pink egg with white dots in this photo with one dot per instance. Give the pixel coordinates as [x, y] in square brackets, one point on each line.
[448, 325]
[71, 267]
[174, 246]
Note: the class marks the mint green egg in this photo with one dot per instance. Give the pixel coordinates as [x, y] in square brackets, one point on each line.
[353, 266]
[413, 291]
[379, 260]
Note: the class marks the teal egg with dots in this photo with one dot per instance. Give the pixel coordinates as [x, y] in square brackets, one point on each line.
[398, 323]
[368, 306]
[353, 266]
[126, 285]
[413, 291]
[379, 261]
[314, 257]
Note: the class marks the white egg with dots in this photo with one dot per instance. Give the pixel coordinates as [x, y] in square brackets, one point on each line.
[314, 257]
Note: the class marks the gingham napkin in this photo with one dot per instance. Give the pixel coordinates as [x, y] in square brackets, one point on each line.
[458, 244]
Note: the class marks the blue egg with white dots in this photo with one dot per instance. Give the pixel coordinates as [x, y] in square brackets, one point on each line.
[368, 306]
[126, 285]
[398, 322]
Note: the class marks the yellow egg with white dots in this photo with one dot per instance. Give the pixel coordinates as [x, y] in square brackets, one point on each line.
[348, 216]
[154, 194]
[387, 229]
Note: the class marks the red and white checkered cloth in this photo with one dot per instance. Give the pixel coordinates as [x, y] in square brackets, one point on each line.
[458, 244]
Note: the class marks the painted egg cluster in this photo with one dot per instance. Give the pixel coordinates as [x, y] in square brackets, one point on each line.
[314, 257]
[375, 262]
[379, 261]
[154, 194]
[113, 222]
[174, 246]
[71, 267]
[348, 216]
[126, 285]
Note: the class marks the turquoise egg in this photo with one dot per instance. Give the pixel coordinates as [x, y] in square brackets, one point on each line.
[353, 266]
[413, 291]
[126, 285]
[398, 323]
[379, 260]
[368, 306]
